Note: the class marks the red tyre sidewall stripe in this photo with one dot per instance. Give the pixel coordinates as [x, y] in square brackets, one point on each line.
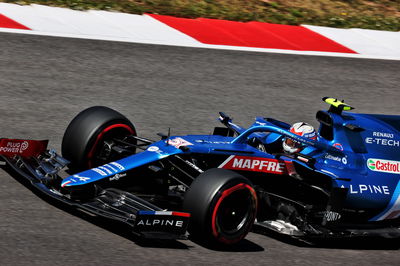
[224, 194]
[107, 129]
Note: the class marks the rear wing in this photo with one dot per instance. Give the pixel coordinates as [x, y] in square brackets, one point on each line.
[337, 106]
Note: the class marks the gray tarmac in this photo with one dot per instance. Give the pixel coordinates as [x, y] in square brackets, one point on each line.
[46, 81]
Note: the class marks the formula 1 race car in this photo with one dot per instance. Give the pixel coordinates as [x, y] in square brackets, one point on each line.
[345, 183]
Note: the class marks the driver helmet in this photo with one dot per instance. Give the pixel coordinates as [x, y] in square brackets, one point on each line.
[301, 129]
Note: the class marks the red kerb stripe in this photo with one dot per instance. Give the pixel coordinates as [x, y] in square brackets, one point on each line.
[252, 34]
[6, 22]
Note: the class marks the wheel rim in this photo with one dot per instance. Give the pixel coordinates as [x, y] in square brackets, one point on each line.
[106, 134]
[234, 213]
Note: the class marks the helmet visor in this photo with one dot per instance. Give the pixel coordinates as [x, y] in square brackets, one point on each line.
[293, 144]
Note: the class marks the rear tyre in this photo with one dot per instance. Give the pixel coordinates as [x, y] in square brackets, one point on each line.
[223, 206]
[89, 134]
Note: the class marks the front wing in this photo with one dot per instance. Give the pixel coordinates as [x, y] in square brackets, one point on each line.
[41, 169]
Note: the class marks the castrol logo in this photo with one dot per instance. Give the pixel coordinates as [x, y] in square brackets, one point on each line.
[386, 166]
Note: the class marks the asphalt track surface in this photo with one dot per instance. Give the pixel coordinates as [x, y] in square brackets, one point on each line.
[45, 81]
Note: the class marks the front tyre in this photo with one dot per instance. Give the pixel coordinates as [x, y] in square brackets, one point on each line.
[89, 136]
[223, 206]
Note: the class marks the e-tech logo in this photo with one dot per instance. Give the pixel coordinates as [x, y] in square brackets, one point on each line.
[386, 166]
[383, 138]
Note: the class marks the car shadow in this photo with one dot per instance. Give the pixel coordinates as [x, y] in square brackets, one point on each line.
[244, 245]
[354, 243]
[124, 230]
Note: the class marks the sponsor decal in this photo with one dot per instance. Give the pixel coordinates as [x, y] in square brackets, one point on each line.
[381, 165]
[342, 160]
[117, 177]
[153, 148]
[160, 222]
[371, 164]
[194, 166]
[105, 169]
[157, 150]
[311, 135]
[108, 169]
[169, 221]
[383, 134]
[178, 142]
[119, 166]
[24, 148]
[256, 164]
[100, 172]
[14, 147]
[383, 139]
[371, 189]
[304, 130]
[261, 123]
[383, 142]
[331, 216]
[338, 146]
[81, 178]
[212, 142]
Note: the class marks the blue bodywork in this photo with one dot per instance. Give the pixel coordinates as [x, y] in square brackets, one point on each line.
[359, 152]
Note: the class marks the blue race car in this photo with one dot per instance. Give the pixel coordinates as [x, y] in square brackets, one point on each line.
[343, 183]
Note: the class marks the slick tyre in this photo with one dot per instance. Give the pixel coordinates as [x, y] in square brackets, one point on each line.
[87, 134]
[223, 206]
